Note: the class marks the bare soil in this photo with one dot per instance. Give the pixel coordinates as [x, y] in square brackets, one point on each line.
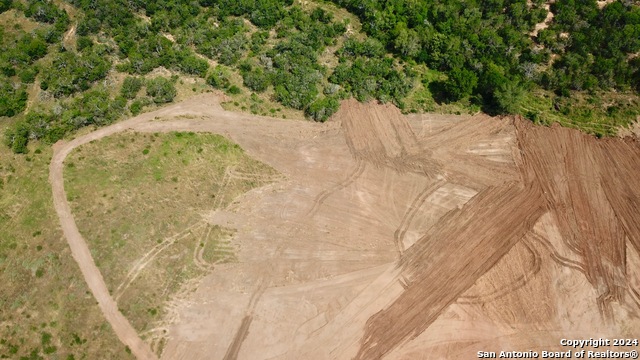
[430, 237]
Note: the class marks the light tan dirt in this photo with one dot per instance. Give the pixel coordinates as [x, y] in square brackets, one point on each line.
[418, 237]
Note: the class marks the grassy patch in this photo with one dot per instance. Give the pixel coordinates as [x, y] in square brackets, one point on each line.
[600, 114]
[260, 104]
[136, 195]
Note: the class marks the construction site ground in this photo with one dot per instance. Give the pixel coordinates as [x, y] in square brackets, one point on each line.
[398, 237]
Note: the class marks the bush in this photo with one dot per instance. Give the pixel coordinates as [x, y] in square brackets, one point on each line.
[137, 106]
[193, 65]
[218, 78]
[12, 100]
[130, 87]
[84, 42]
[255, 80]
[17, 138]
[161, 90]
[322, 109]
[234, 90]
[28, 75]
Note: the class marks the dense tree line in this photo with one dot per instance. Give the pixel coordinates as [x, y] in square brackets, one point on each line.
[594, 46]
[486, 49]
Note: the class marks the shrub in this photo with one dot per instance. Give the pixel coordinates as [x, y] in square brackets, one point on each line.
[255, 80]
[28, 75]
[17, 138]
[234, 90]
[218, 78]
[130, 87]
[322, 109]
[12, 100]
[161, 90]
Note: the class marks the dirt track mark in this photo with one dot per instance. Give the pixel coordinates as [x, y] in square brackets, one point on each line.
[411, 212]
[148, 257]
[241, 334]
[236, 175]
[199, 248]
[561, 260]
[79, 249]
[588, 191]
[234, 348]
[324, 195]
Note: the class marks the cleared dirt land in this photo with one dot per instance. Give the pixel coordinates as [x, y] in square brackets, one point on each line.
[400, 237]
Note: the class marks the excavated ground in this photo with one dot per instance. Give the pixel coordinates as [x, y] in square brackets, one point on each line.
[414, 237]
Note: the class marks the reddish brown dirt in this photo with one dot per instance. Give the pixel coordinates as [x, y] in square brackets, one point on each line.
[574, 170]
[430, 237]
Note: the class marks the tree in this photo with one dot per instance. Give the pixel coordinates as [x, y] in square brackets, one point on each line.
[161, 89]
[407, 43]
[5, 5]
[460, 84]
[508, 97]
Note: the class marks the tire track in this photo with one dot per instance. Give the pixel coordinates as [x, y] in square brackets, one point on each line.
[198, 105]
[559, 259]
[411, 212]
[243, 331]
[79, 249]
[198, 250]
[324, 195]
[448, 260]
[147, 258]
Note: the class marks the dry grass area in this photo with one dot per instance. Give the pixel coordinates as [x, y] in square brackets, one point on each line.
[138, 199]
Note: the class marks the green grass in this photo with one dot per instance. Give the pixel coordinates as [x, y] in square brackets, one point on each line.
[131, 192]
